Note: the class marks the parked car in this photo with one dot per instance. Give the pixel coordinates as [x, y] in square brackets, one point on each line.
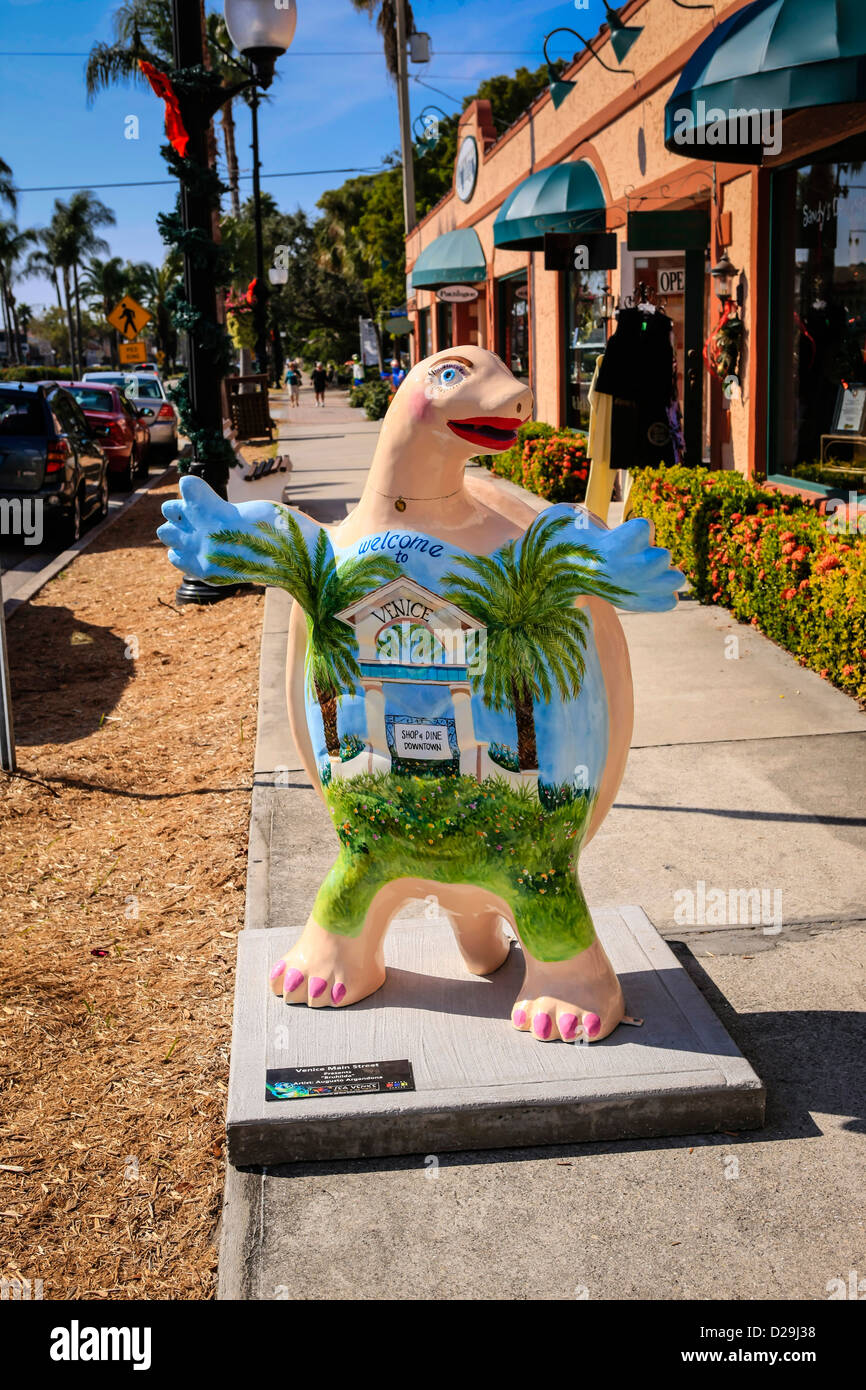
[117, 425]
[147, 393]
[48, 453]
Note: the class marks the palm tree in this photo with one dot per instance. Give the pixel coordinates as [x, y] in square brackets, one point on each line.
[536, 637]
[103, 284]
[73, 227]
[385, 14]
[8, 193]
[13, 245]
[142, 29]
[151, 285]
[231, 70]
[46, 262]
[322, 590]
[342, 250]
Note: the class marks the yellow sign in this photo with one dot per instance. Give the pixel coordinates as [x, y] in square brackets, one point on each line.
[130, 353]
[129, 318]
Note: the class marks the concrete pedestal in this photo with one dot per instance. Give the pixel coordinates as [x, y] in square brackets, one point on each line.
[480, 1083]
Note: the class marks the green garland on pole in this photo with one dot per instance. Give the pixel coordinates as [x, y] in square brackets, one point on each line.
[198, 84]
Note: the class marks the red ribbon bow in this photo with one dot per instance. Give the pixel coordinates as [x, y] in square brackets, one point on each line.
[174, 126]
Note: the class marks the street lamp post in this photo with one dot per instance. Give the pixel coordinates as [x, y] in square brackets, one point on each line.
[260, 302]
[204, 387]
[262, 32]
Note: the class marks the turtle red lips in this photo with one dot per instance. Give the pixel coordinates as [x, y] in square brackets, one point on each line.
[493, 432]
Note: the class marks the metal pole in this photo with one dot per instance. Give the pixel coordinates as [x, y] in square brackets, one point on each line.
[7, 732]
[204, 386]
[405, 127]
[260, 307]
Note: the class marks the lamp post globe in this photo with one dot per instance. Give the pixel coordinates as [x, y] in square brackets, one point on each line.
[262, 30]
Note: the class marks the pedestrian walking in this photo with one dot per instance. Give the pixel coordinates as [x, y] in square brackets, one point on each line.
[398, 372]
[293, 381]
[357, 370]
[319, 378]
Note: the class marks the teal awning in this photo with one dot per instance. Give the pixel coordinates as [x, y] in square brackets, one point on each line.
[563, 198]
[454, 258]
[774, 55]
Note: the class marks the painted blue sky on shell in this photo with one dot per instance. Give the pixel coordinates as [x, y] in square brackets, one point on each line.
[569, 735]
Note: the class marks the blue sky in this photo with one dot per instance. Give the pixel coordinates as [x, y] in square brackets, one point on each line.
[332, 106]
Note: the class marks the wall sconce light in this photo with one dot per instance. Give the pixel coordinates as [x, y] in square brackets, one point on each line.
[559, 88]
[622, 36]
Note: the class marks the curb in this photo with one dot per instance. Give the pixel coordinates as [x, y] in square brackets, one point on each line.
[54, 567]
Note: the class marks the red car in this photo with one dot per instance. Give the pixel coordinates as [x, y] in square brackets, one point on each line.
[117, 426]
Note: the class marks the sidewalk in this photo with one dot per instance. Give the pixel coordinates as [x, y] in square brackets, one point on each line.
[746, 772]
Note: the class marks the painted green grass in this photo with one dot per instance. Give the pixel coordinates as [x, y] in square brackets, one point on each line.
[458, 830]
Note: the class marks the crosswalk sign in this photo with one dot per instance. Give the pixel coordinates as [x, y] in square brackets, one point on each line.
[129, 317]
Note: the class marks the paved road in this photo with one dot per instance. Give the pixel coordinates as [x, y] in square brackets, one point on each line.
[20, 563]
[18, 558]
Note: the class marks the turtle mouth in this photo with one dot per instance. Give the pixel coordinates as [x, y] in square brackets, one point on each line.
[494, 432]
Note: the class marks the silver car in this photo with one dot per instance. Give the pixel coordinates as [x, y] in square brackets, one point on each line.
[147, 393]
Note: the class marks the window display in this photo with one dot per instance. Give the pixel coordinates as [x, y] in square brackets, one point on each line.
[820, 319]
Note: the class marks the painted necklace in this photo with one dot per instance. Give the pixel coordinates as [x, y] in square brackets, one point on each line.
[400, 501]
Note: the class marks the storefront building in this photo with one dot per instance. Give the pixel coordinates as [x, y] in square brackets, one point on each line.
[773, 200]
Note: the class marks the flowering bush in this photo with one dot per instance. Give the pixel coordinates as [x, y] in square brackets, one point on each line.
[503, 755]
[373, 396]
[550, 462]
[771, 559]
[350, 746]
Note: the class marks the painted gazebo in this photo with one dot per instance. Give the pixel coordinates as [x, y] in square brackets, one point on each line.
[410, 637]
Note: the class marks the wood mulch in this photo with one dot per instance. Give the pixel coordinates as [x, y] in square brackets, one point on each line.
[122, 871]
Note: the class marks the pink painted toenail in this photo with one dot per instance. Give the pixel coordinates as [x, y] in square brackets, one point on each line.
[541, 1025]
[292, 980]
[338, 992]
[592, 1024]
[568, 1026]
[278, 970]
[317, 986]
[518, 1018]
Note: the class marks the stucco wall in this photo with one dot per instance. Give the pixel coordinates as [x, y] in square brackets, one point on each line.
[616, 122]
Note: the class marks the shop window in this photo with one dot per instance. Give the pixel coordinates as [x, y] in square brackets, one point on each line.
[818, 419]
[425, 346]
[444, 326]
[584, 340]
[513, 332]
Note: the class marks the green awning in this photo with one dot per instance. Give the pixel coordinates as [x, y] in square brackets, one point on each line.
[563, 198]
[454, 258]
[774, 55]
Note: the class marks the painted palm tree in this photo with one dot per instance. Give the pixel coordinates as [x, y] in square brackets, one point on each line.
[524, 595]
[280, 557]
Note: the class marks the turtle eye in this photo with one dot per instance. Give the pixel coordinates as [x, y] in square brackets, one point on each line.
[447, 375]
